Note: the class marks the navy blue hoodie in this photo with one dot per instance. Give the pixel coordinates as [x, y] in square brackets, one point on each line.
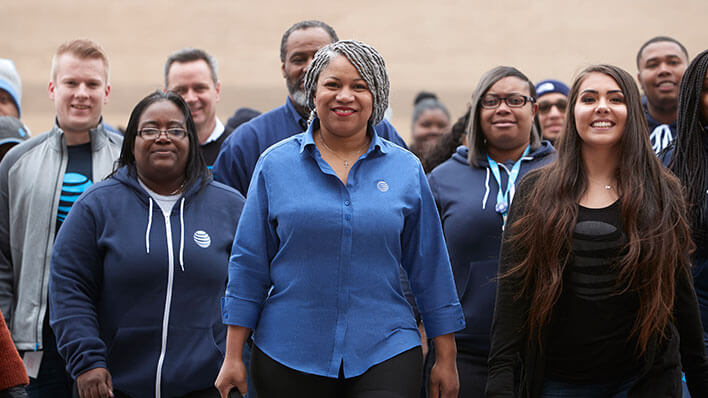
[142, 300]
[466, 197]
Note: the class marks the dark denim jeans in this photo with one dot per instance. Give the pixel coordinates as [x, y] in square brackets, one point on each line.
[562, 389]
[52, 380]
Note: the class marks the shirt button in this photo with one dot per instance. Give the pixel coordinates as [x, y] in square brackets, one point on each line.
[347, 217]
[347, 203]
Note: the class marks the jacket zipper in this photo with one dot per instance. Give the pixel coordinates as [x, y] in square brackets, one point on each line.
[168, 301]
[44, 293]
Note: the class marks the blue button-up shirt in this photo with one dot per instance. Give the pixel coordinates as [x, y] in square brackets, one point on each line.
[315, 263]
[239, 153]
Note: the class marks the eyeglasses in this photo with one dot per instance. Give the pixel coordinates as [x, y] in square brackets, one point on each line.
[512, 101]
[150, 133]
[545, 106]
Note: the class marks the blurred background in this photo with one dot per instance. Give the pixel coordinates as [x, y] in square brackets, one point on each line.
[442, 46]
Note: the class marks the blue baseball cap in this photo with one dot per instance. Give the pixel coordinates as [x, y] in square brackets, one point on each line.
[551, 86]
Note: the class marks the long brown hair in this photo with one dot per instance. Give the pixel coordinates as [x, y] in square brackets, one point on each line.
[653, 218]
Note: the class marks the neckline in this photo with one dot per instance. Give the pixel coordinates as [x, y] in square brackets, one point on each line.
[611, 205]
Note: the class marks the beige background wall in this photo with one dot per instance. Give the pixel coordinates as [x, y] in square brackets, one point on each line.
[442, 46]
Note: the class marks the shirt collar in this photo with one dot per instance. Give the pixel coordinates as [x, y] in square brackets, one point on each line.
[294, 114]
[216, 133]
[376, 142]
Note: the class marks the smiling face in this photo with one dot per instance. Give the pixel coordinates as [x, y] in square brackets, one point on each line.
[300, 48]
[194, 83]
[507, 129]
[79, 90]
[600, 111]
[661, 67]
[163, 159]
[342, 99]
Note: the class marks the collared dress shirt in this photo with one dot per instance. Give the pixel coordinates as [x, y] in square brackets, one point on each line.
[314, 268]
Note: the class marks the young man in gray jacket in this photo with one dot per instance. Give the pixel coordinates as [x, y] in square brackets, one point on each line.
[39, 181]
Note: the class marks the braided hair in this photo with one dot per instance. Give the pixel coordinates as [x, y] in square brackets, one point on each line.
[689, 162]
[367, 61]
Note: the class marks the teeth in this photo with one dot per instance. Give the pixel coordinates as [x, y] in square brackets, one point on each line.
[602, 124]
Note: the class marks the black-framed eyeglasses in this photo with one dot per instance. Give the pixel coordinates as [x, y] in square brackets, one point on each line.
[512, 101]
[151, 133]
[545, 106]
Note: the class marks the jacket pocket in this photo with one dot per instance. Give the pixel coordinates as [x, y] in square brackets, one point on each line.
[193, 359]
[132, 359]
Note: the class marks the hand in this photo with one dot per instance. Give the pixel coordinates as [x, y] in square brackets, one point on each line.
[232, 374]
[444, 381]
[95, 383]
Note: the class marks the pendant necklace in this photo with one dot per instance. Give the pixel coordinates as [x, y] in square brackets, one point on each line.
[606, 186]
[346, 161]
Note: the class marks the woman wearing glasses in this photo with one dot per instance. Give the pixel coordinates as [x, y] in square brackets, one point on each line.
[140, 264]
[473, 191]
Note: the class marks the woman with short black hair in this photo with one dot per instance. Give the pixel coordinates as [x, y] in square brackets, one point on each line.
[140, 263]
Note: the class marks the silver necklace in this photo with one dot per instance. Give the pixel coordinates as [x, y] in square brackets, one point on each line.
[346, 161]
[606, 186]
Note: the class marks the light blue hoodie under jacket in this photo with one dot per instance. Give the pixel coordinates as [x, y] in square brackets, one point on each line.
[139, 293]
[466, 196]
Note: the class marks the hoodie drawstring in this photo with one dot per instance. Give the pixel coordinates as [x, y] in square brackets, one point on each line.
[147, 230]
[486, 192]
[181, 238]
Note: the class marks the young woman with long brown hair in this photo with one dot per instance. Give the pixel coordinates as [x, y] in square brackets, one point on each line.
[595, 287]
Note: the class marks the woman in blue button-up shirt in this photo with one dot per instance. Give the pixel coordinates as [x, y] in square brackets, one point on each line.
[331, 216]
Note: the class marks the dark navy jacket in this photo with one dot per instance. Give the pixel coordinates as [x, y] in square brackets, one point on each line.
[239, 153]
[466, 197]
[139, 293]
[700, 256]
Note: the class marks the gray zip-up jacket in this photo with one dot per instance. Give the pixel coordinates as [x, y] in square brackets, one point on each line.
[31, 176]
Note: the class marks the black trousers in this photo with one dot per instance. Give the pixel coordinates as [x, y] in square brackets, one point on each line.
[398, 377]
[210, 392]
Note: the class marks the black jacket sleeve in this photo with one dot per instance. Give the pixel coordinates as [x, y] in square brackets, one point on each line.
[509, 336]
